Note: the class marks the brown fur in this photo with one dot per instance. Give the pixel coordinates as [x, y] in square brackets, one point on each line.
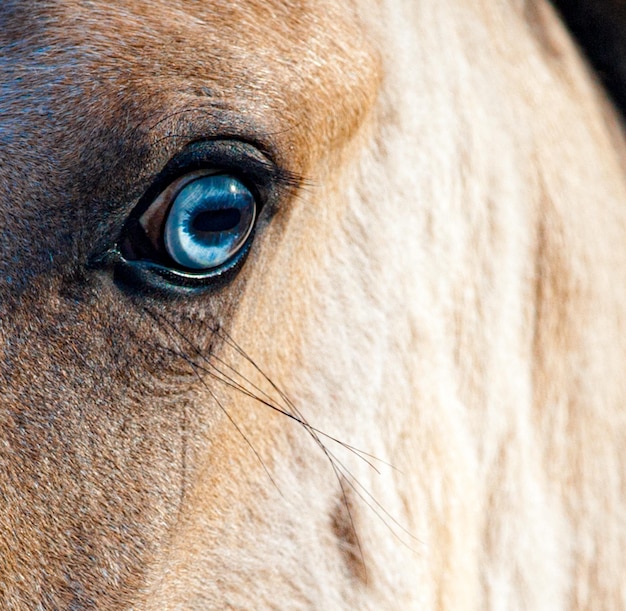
[445, 288]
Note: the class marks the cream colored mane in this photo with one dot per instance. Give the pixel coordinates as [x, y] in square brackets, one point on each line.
[441, 285]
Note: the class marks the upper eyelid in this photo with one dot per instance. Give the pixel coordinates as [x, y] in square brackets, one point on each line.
[246, 159]
[238, 156]
[262, 154]
[219, 154]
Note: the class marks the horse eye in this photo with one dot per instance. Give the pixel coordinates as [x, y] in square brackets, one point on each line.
[200, 221]
[193, 228]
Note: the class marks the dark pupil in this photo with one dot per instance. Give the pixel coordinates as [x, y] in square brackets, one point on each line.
[217, 220]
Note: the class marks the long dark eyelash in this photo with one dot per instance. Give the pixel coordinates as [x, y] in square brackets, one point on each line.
[352, 481]
[294, 415]
[314, 431]
[336, 465]
[287, 179]
[232, 421]
[342, 473]
[301, 420]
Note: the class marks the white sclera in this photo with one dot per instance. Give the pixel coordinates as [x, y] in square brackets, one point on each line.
[209, 222]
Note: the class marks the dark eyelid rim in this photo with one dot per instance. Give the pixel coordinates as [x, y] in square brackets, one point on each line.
[147, 277]
[245, 161]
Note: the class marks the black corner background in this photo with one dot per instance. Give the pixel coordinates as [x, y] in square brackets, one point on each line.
[599, 26]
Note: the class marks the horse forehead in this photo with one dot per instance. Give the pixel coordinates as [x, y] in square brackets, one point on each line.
[262, 49]
[306, 73]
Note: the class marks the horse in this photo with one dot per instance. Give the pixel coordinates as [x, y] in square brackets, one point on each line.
[309, 305]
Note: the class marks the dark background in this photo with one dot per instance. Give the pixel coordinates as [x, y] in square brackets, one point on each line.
[600, 28]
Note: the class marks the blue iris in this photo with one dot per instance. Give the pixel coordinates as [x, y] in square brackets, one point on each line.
[209, 222]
